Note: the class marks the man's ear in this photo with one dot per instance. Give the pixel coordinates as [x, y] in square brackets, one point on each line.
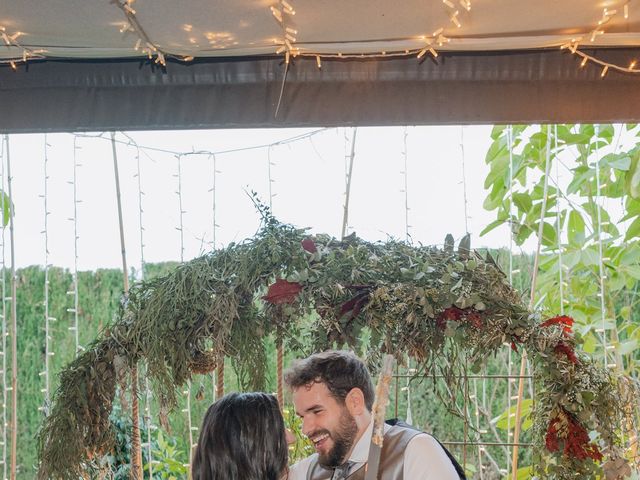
[355, 402]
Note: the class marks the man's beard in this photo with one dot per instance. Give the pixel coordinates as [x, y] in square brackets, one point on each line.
[343, 438]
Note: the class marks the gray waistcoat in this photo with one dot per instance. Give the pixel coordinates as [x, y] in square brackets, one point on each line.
[391, 460]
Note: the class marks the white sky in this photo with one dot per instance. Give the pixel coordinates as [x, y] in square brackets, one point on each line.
[308, 187]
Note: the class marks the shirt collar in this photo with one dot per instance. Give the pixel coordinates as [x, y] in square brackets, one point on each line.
[360, 452]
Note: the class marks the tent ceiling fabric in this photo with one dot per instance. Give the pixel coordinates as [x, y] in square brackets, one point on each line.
[502, 65]
[199, 28]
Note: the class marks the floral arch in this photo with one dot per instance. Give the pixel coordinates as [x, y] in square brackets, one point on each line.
[431, 303]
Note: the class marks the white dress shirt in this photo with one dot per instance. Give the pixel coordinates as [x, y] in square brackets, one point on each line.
[424, 459]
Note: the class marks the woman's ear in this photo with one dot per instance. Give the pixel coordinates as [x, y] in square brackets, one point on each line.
[355, 402]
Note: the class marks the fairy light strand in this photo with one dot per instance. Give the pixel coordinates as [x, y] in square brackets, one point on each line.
[558, 229]
[214, 228]
[187, 392]
[407, 237]
[13, 327]
[405, 190]
[510, 275]
[47, 333]
[144, 42]
[476, 405]
[598, 30]
[270, 164]
[3, 342]
[10, 41]
[464, 181]
[600, 254]
[74, 219]
[147, 389]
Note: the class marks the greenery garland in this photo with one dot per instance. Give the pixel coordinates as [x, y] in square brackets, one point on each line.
[447, 308]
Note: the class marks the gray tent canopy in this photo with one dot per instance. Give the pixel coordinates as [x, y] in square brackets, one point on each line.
[219, 69]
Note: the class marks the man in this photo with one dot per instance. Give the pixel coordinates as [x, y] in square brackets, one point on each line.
[333, 394]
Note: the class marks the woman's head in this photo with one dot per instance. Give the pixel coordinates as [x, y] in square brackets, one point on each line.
[242, 438]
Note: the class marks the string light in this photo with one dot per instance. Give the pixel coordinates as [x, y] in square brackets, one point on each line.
[214, 229]
[47, 346]
[405, 190]
[147, 406]
[601, 293]
[10, 41]
[148, 47]
[187, 392]
[561, 281]
[3, 342]
[606, 66]
[74, 219]
[510, 276]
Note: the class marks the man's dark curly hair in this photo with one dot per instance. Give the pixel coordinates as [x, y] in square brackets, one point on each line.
[339, 370]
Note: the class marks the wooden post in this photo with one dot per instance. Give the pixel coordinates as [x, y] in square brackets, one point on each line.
[136, 447]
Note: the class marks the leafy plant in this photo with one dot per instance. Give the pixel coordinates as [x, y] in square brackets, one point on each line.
[579, 185]
[444, 307]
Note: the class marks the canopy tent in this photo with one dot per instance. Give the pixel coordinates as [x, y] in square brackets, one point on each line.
[101, 65]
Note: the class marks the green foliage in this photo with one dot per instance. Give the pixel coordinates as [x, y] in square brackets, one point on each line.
[6, 205]
[581, 230]
[446, 308]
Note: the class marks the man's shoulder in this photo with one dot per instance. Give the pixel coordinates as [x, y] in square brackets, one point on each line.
[298, 471]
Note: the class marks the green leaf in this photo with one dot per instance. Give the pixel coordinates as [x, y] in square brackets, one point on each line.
[632, 181]
[549, 237]
[581, 176]
[590, 256]
[590, 343]
[606, 132]
[634, 271]
[576, 229]
[633, 230]
[497, 131]
[522, 201]
[627, 346]
[619, 162]
[503, 419]
[524, 473]
[492, 226]
[6, 208]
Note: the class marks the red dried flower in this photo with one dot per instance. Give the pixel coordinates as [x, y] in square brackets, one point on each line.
[561, 320]
[551, 438]
[474, 319]
[456, 314]
[282, 292]
[309, 245]
[567, 350]
[577, 443]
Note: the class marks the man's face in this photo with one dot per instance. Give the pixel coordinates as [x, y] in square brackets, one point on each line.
[326, 422]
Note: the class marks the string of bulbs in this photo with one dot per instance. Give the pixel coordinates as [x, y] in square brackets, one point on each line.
[283, 13]
[11, 41]
[574, 44]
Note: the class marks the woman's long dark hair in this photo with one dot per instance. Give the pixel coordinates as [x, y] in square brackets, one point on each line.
[242, 438]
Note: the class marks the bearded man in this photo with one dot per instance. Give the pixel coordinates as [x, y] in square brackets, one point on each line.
[333, 395]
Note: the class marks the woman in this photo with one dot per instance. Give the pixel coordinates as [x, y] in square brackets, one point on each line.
[242, 438]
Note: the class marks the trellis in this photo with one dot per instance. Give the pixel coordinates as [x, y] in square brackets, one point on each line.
[465, 442]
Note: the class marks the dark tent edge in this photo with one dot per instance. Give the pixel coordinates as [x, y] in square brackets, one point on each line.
[541, 86]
